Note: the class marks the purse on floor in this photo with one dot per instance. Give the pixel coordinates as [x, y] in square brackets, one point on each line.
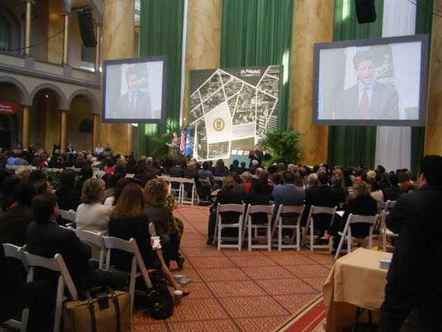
[108, 311]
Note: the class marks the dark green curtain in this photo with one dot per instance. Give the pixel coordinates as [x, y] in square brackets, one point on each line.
[258, 33]
[4, 33]
[424, 20]
[161, 30]
[350, 145]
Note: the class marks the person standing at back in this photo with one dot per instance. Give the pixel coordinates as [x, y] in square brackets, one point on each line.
[414, 279]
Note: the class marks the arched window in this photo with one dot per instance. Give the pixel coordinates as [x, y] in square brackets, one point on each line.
[5, 33]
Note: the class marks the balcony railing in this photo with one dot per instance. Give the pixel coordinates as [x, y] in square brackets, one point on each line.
[62, 73]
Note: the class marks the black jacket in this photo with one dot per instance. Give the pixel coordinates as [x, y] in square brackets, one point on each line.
[320, 196]
[414, 276]
[235, 196]
[132, 227]
[49, 239]
[13, 224]
[361, 205]
[68, 198]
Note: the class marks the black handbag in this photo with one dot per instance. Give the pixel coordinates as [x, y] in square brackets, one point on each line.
[159, 300]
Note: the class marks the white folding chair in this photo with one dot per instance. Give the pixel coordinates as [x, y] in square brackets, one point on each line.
[55, 264]
[138, 269]
[176, 188]
[289, 217]
[386, 234]
[253, 228]
[185, 182]
[346, 234]
[95, 241]
[15, 252]
[220, 225]
[310, 227]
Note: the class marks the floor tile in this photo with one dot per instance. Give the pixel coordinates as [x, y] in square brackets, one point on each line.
[226, 274]
[267, 272]
[143, 322]
[285, 286]
[235, 288]
[224, 325]
[252, 261]
[294, 302]
[288, 260]
[198, 290]
[247, 307]
[212, 262]
[316, 283]
[308, 271]
[261, 324]
[202, 252]
[198, 309]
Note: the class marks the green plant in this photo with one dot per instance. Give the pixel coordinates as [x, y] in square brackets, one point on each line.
[283, 145]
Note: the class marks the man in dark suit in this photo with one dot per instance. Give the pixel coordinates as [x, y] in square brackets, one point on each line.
[368, 99]
[322, 195]
[136, 101]
[414, 278]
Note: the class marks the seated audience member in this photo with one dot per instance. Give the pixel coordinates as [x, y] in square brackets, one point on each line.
[231, 193]
[177, 170]
[246, 182]
[45, 238]
[413, 280]
[92, 215]
[220, 169]
[159, 210]
[338, 185]
[128, 220]
[112, 200]
[109, 166]
[261, 194]
[360, 203]
[234, 167]
[68, 196]
[242, 167]
[319, 193]
[205, 182]
[289, 193]
[17, 216]
[85, 174]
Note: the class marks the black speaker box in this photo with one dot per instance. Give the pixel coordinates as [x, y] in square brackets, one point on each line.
[365, 11]
[86, 23]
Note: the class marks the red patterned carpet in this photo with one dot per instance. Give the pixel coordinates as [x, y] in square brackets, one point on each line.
[239, 291]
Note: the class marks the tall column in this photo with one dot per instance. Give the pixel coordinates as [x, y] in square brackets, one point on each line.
[203, 40]
[63, 130]
[25, 126]
[66, 40]
[95, 123]
[28, 28]
[433, 132]
[118, 43]
[312, 23]
[98, 49]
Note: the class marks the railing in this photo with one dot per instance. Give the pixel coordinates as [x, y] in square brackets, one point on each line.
[63, 73]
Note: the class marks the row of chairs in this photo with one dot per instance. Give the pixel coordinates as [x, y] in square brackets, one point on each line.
[180, 187]
[278, 220]
[104, 244]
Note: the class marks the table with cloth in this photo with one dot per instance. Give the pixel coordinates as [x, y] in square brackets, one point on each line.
[355, 281]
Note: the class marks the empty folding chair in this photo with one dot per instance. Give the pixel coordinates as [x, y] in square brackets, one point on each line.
[310, 227]
[138, 269]
[289, 217]
[253, 227]
[12, 251]
[188, 186]
[58, 265]
[236, 211]
[346, 234]
[96, 242]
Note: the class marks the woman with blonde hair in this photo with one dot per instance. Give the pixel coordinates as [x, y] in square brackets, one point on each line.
[92, 215]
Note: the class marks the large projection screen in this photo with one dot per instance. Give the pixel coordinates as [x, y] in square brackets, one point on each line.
[134, 90]
[376, 82]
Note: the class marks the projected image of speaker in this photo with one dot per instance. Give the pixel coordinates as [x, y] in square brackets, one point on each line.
[365, 11]
[134, 90]
[373, 82]
[86, 23]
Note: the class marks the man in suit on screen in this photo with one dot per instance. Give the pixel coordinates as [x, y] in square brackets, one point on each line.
[135, 103]
[368, 99]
